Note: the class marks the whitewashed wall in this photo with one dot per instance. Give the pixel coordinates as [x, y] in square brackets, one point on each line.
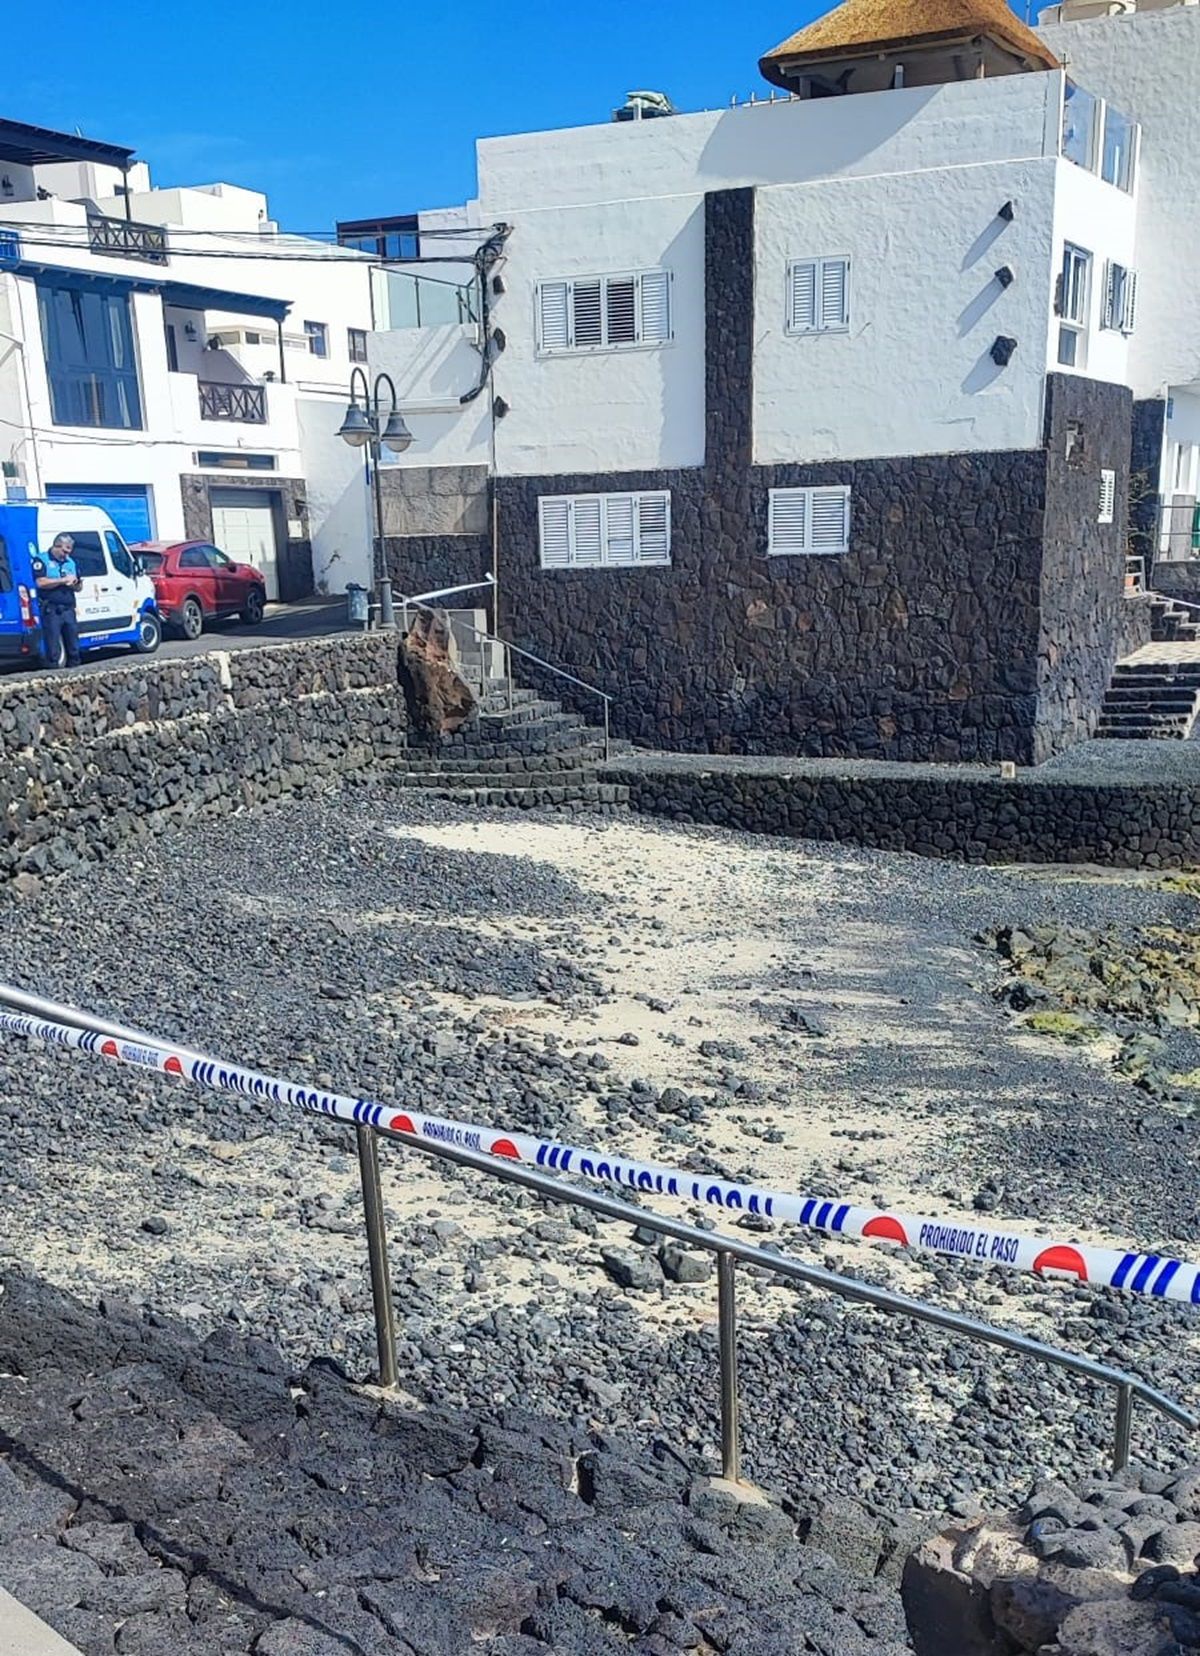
[339, 500]
[613, 410]
[913, 374]
[1101, 219]
[1148, 63]
[432, 368]
[785, 142]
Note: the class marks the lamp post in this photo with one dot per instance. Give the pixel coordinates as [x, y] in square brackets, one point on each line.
[367, 425]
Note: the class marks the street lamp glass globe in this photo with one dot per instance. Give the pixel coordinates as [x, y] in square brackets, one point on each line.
[355, 429]
[396, 434]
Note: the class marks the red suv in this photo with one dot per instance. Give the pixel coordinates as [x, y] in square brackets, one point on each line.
[194, 582]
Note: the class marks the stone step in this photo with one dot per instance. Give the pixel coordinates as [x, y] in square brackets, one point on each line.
[497, 700]
[505, 781]
[1131, 700]
[612, 795]
[1135, 729]
[523, 713]
[501, 744]
[424, 762]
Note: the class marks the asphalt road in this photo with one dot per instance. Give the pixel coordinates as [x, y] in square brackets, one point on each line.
[314, 618]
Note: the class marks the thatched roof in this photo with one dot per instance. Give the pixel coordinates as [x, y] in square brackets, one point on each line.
[860, 26]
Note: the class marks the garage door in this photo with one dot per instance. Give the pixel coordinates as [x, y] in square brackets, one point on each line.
[244, 528]
[128, 505]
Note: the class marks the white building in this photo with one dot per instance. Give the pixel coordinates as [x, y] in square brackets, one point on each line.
[808, 424]
[164, 352]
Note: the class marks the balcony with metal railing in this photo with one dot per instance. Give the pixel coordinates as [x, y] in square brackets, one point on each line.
[126, 239]
[245, 404]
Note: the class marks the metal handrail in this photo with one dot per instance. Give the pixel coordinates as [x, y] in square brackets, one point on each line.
[728, 1249]
[422, 601]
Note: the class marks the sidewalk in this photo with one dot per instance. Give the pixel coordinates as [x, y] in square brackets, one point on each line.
[22, 1634]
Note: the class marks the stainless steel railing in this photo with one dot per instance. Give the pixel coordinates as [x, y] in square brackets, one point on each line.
[424, 600]
[728, 1249]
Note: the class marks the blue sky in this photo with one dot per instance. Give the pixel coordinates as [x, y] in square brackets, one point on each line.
[343, 109]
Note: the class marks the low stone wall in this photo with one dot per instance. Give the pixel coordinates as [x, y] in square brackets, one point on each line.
[934, 810]
[93, 759]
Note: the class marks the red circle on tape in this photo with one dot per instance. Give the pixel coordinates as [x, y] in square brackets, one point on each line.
[889, 1229]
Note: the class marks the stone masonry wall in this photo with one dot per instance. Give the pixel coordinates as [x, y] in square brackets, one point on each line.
[935, 811]
[94, 759]
[1083, 560]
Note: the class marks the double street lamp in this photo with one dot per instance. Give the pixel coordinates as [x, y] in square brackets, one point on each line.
[368, 424]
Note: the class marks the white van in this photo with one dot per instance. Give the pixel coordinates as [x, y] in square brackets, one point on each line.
[115, 604]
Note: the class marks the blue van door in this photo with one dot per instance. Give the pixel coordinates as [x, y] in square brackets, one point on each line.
[10, 604]
[127, 504]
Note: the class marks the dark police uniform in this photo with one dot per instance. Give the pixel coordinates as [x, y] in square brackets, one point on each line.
[59, 626]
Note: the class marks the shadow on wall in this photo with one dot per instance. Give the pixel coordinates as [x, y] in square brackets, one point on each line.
[850, 129]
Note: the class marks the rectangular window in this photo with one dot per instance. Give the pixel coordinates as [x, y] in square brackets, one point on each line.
[598, 313]
[1080, 125]
[1120, 143]
[612, 531]
[1120, 298]
[808, 520]
[1074, 285]
[356, 344]
[1108, 495]
[172, 349]
[87, 337]
[818, 296]
[6, 574]
[317, 335]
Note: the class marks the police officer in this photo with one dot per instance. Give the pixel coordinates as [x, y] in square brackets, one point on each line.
[57, 583]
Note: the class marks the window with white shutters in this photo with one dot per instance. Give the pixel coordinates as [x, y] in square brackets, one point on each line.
[808, 520]
[597, 313]
[1120, 298]
[611, 531]
[1072, 302]
[818, 295]
[1108, 495]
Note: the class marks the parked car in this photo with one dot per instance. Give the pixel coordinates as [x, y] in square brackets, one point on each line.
[115, 603]
[195, 582]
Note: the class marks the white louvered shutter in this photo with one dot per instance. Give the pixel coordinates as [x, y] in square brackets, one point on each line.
[802, 297]
[1129, 308]
[1108, 495]
[618, 529]
[654, 529]
[620, 306]
[830, 529]
[787, 520]
[555, 516]
[1108, 317]
[586, 307]
[835, 293]
[587, 550]
[554, 330]
[656, 307]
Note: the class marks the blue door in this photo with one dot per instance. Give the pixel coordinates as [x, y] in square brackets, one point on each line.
[127, 504]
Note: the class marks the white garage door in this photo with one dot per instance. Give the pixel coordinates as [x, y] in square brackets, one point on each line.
[244, 528]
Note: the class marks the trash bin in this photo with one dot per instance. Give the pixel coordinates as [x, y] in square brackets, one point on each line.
[357, 604]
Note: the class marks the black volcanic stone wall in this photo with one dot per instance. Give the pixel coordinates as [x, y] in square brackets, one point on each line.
[91, 760]
[920, 643]
[427, 563]
[728, 334]
[1083, 560]
[933, 812]
[1145, 461]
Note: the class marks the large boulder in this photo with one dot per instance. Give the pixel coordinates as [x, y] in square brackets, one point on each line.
[439, 700]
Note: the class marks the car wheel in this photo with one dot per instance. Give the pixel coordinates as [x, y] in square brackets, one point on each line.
[252, 613]
[191, 618]
[149, 633]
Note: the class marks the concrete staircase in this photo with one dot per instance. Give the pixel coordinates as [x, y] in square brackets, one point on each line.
[1155, 700]
[531, 754]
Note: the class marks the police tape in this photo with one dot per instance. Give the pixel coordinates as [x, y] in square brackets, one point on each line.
[1156, 1275]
